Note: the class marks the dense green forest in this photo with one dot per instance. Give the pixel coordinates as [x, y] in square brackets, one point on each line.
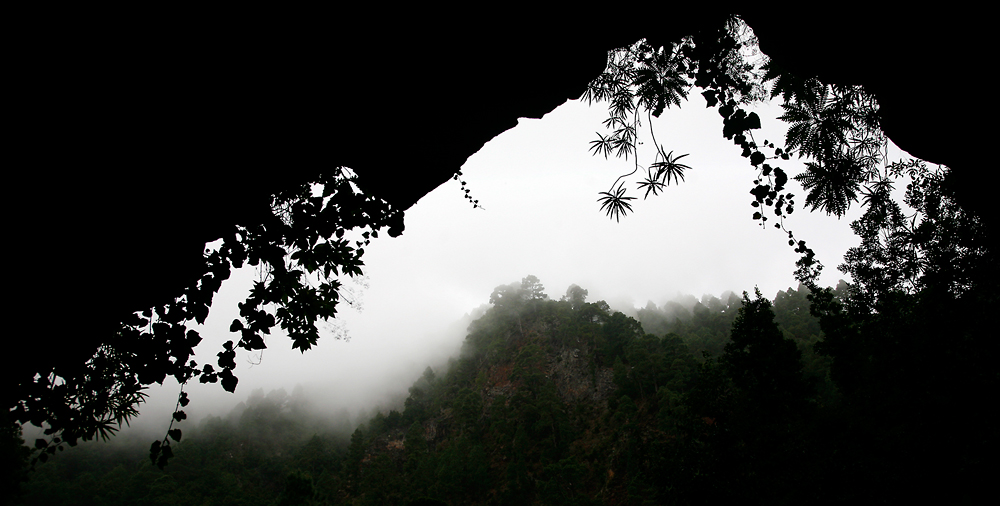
[550, 402]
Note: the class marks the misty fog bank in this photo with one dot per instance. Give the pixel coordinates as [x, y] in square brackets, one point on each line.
[341, 383]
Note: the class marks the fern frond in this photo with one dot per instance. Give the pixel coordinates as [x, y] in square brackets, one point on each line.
[832, 187]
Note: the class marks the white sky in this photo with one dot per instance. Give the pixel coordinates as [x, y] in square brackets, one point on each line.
[539, 185]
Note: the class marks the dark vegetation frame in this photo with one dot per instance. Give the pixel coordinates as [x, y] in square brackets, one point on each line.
[94, 385]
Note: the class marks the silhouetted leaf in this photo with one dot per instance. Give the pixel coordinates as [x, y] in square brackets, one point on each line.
[154, 451]
[830, 189]
[615, 202]
[228, 380]
[669, 168]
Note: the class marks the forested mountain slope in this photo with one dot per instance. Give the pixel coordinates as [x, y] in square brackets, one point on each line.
[550, 402]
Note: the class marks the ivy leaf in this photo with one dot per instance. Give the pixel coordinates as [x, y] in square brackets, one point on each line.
[166, 454]
[711, 98]
[780, 178]
[154, 451]
[228, 380]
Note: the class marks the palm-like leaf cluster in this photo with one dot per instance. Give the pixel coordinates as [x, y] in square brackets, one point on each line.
[836, 128]
[615, 203]
[107, 398]
[659, 174]
[638, 78]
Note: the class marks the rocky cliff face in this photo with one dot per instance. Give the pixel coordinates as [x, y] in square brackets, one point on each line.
[576, 378]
